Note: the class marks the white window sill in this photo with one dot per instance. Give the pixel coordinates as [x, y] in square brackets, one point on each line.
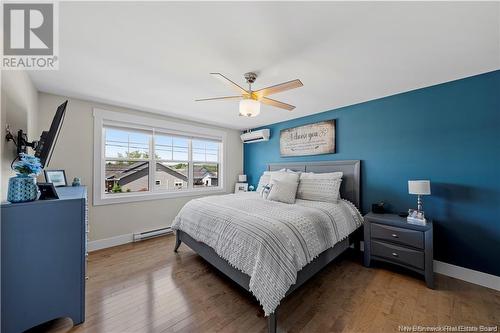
[110, 199]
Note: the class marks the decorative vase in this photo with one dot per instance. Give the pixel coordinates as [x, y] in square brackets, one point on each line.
[22, 188]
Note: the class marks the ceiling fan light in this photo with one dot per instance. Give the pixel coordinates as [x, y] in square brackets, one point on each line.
[249, 108]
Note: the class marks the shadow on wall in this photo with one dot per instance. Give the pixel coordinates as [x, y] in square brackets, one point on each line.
[17, 118]
[459, 193]
[454, 206]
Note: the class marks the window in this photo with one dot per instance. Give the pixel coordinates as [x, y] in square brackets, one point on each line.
[205, 163]
[126, 155]
[143, 159]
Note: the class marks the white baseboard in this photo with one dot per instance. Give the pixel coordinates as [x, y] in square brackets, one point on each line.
[469, 275]
[110, 242]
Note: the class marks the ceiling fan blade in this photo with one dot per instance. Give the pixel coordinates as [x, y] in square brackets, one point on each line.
[217, 98]
[277, 104]
[278, 88]
[237, 87]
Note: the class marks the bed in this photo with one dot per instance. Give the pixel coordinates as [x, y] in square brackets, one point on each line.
[270, 248]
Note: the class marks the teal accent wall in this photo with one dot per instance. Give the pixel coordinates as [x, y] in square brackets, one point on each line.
[448, 133]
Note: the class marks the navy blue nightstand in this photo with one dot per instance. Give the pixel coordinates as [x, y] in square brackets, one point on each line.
[389, 238]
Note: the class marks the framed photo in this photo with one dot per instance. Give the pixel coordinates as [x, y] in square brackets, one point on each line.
[240, 187]
[56, 177]
[47, 191]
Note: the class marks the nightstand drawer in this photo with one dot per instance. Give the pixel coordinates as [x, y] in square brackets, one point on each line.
[398, 254]
[399, 235]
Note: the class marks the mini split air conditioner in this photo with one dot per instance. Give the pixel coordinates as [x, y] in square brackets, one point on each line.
[255, 136]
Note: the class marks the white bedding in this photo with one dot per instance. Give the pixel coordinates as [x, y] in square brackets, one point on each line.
[267, 240]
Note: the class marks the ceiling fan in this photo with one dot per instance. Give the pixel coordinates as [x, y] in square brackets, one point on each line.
[251, 100]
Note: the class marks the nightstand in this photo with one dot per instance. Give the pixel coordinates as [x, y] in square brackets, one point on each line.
[389, 238]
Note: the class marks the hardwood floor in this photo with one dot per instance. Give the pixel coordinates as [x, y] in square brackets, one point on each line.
[146, 287]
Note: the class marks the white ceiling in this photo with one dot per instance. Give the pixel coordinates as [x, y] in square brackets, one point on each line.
[158, 56]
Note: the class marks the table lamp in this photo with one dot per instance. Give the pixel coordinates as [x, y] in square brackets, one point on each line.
[242, 178]
[418, 187]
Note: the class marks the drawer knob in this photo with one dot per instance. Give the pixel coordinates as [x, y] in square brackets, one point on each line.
[394, 235]
[394, 254]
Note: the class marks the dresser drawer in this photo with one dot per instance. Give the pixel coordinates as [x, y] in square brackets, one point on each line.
[398, 254]
[399, 235]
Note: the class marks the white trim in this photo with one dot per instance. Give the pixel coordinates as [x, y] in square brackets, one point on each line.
[162, 125]
[110, 242]
[141, 196]
[466, 274]
[104, 117]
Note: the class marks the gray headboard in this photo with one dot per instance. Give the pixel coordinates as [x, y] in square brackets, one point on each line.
[350, 188]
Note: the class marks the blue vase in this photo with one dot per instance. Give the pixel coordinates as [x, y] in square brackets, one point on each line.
[22, 188]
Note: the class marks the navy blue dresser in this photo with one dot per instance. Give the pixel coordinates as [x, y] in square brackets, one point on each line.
[44, 247]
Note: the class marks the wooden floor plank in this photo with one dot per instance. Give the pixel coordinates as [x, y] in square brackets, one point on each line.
[146, 287]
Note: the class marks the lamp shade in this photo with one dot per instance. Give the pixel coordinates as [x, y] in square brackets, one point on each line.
[421, 187]
[249, 107]
[242, 178]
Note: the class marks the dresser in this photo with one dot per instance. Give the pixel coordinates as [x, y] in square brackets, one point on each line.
[44, 247]
[389, 238]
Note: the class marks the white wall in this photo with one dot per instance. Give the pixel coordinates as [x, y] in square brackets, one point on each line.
[74, 153]
[19, 110]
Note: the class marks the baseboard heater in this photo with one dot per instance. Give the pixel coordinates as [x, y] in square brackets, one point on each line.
[151, 234]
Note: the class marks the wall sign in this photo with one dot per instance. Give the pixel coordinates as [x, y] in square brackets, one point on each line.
[311, 139]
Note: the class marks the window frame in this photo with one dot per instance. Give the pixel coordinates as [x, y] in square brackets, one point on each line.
[104, 118]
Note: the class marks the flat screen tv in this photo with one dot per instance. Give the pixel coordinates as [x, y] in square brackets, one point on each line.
[48, 139]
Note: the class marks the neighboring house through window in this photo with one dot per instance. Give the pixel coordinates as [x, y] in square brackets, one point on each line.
[141, 158]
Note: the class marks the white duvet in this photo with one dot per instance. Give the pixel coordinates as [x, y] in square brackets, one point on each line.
[267, 240]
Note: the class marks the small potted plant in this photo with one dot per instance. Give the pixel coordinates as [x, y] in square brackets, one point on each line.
[23, 187]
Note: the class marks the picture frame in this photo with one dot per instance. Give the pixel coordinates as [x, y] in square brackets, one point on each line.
[56, 177]
[47, 191]
[240, 187]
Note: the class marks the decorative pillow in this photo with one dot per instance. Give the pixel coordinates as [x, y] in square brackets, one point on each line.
[264, 180]
[282, 191]
[320, 186]
[288, 177]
